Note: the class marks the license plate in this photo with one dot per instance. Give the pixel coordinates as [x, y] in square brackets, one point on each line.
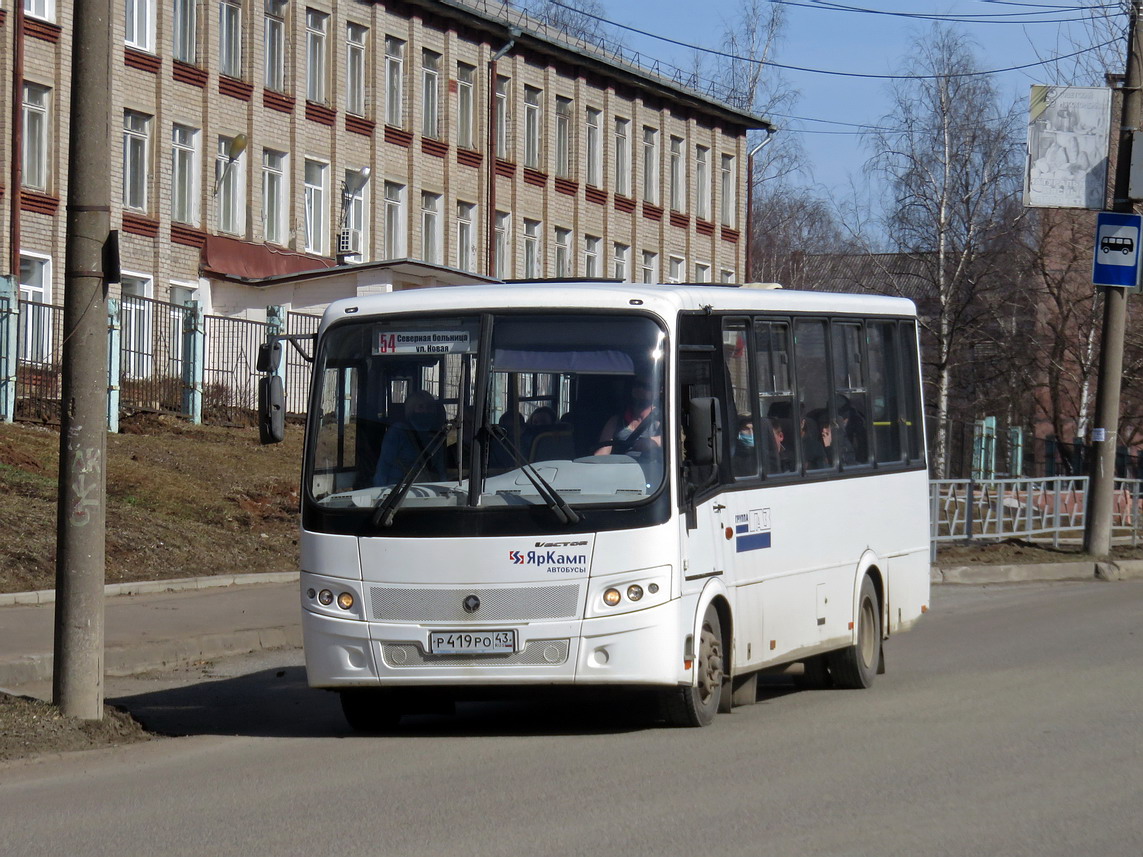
[472, 642]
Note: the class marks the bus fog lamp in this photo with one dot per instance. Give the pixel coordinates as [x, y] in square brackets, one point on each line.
[325, 597]
[311, 593]
[345, 601]
[652, 588]
[611, 597]
[634, 592]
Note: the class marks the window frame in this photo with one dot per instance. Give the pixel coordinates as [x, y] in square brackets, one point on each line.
[276, 205]
[356, 68]
[36, 169]
[394, 81]
[137, 162]
[317, 56]
[230, 189]
[431, 93]
[186, 174]
[230, 48]
[315, 207]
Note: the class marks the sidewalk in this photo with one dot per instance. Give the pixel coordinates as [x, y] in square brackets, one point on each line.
[159, 629]
[175, 622]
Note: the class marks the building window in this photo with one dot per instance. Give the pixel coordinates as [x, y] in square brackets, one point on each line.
[591, 255]
[230, 186]
[43, 9]
[316, 24]
[275, 73]
[726, 190]
[503, 231]
[466, 236]
[650, 165]
[621, 258]
[35, 316]
[355, 36]
[136, 323]
[394, 82]
[649, 269]
[532, 130]
[184, 30]
[394, 220]
[465, 79]
[136, 159]
[622, 156]
[564, 155]
[354, 211]
[726, 276]
[139, 24]
[178, 297]
[702, 273]
[35, 168]
[503, 119]
[678, 175]
[563, 251]
[594, 145]
[533, 251]
[316, 207]
[676, 269]
[430, 93]
[184, 174]
[230, 38]
[431, 227]
[702, 182]
[275, 199]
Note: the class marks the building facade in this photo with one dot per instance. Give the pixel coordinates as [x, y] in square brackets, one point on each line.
[253, 139]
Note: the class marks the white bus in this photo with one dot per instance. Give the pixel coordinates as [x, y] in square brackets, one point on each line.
[657, 488]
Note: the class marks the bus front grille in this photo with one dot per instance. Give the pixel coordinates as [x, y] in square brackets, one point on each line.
[519, 604]
[535, 653]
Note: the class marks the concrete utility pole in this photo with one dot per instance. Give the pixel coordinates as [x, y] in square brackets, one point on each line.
[77, 684]
[1105, 436]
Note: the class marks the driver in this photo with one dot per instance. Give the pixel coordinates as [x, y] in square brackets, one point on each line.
[407, 437]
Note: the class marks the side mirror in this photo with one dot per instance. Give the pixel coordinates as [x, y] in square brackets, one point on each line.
[269, 356]
[704, 432]
[271, 409]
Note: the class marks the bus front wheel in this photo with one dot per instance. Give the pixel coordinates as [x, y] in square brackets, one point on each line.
[855, 667]
[697, 704]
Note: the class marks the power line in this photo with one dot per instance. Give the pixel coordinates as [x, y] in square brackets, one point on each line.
[832, 73]
[1022, 18]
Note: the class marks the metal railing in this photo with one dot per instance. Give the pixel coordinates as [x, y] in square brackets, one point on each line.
[1049, 510]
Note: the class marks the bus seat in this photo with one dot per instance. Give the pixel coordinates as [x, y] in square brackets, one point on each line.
[553, 443]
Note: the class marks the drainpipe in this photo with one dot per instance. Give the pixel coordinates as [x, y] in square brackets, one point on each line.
[513, 34]
[17, 165]
[749, 272]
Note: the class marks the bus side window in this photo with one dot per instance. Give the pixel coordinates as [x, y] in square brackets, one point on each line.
[851, 393]
[773, 433]
[883, 377]
[741, 420]
[811, 369]
[914, 428]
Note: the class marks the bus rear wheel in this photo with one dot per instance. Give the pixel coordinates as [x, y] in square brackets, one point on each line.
[697, 704]
[368, 710]
[856, 666]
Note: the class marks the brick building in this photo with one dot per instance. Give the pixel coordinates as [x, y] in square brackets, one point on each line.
[255, 140]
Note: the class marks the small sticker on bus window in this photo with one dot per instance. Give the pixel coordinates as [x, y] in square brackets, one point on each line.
[422, 342]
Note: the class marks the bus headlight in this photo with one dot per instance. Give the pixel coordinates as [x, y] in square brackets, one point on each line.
[345, 601]
[634, 592]
[611, 597]
[325, 597]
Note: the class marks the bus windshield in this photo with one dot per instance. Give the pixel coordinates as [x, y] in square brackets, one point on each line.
[487, 410]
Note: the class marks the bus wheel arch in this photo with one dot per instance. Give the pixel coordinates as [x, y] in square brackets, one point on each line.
[696, 703]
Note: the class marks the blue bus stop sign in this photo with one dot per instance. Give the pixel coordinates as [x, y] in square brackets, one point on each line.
[1117, 253]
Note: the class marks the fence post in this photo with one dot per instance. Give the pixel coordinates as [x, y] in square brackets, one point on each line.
[194, 361]
[114, 363]
[9, 333]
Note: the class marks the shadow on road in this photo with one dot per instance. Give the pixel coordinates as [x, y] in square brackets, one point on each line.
[277, 703]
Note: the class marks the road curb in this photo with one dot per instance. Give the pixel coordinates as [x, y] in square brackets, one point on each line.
[1042, 572]
[141, 587]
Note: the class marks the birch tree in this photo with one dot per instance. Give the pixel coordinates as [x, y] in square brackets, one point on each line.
[948, 152]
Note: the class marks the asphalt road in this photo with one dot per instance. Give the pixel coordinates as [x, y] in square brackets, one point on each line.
[1009, 723]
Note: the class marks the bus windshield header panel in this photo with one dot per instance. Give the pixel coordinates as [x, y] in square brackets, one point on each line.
[486, 414]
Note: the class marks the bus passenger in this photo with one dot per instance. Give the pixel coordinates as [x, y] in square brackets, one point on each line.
[637, 428]
[408, 437]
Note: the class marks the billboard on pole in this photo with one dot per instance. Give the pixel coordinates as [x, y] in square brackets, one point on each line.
[1066, 165]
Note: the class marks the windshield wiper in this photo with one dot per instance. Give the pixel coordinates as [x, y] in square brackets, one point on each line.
[387, 507]
[547, 493]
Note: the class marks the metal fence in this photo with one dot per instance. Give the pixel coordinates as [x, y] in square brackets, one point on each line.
[153, 371]
[1049, 510]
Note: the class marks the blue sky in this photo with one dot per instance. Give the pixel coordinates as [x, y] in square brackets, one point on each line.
[859, 42]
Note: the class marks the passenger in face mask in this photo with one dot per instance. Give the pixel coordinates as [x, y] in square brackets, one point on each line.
[406, 438]
[746, 432]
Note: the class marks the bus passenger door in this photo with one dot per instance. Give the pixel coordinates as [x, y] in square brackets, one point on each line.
[707, 517]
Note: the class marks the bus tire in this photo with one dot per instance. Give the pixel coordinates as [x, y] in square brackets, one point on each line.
[855, 667]
[696, 705]
[369, 711]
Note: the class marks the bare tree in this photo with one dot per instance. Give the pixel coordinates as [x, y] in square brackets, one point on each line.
[949, 154]
[567, 15]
